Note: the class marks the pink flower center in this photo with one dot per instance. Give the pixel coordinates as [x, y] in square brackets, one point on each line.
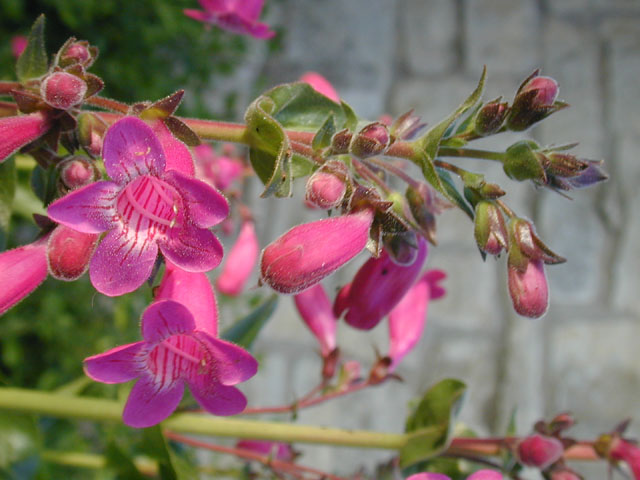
[149, 203]
[179, 356]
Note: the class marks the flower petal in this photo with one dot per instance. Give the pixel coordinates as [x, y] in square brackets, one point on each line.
[233, 363]
[148, 405]
[131, 149]
[16, 132]
[165, 318]
[192, 249]
[240, 261]
[218, 399]
[205, 206]
[178, 156]
[89, 209]
[486, 475]
[122, 262]
[117, 365]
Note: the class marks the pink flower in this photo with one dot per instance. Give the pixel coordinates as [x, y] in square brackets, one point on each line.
[63, 90]
[220, 170]
[240, 261]
[408, 318]
[309, 252]
[529, 291]
[237, 16]
[540, 451]
[325, 190]
[144, 208]
[69, 252]
[18, 44]
[627, 452]
[173, 353]
[178, 157]
[21, 271]
[276, 450]
[315, 309]
[321, 85]
[479, 475]
[16, 132]
[377, 288]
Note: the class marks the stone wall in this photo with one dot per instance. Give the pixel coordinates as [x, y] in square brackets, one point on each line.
[389, 56]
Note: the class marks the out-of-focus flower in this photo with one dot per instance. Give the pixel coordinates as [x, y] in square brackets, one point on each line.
[144, 208]
[539, 451]
[16, 132]
[237, 16]
[479, 475]
[618, 449]
[220, 170]
[315, 309]
[173, 353]
[18, 44]
[310, 252]
[321, 85]
[240, 261]
[276, 450]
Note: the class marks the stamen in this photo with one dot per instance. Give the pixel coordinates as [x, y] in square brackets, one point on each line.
[143, 211]
[182, 354]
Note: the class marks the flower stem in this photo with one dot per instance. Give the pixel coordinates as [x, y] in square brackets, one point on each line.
[108, 104]
[471, 153]
[94, 461]
[6, 87]
[8, 109]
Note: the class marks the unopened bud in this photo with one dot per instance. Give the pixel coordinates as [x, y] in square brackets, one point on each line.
[540, 451]
[340, 142]
[491, 117]
[69, 252]
[528, 289]
[406, 126]
[535, 100]
[91, 133]
[77, 172]
[326, 187]
[522, 163]
[63, 90]
[370, 141]
[402, 247]
[77, 52]
[564, 165]
[490, 229]
[545, 89]
[421, 204]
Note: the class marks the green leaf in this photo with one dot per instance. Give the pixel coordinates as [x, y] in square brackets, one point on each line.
[44, 183]
[121, 463]
[245, 331]
[171, 465]
[19, 438]
[8, 179]
[432, 422]
[322, 139]
[453, 193]
[33, 62]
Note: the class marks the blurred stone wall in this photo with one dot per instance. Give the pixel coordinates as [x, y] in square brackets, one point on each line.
[389, 56]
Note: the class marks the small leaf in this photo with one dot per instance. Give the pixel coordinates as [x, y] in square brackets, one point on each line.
[8, 178]
[182, 131]
[18, 438]
[164, 107]
[33, 63]
[245, 331]
[432, 422]
[452, 192]
[322, 139]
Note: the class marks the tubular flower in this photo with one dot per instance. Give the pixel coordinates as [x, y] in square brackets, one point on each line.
[173, 353]
[315, 309]
[377, 288]
[16, 132]
[309, 252]
[627, 452]
[237, 16]
[240, 261]
[220, 170]
[144, 208]
[321, 85]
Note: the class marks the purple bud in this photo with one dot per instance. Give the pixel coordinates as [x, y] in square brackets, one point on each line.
[535, 100]
[340, 142]
[77, 52]
[371, 140]
[545, 88]
[529, 291]
[540, 451]
[63, 90]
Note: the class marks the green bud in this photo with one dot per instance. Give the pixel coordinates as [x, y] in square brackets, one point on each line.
[523, 163]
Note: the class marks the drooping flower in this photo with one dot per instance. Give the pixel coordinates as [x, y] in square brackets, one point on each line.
[16, 132]
[144, 208]
[276, 450]
[237, 16]
[529, 290]
[408, 318]
[220, 170]
[240, 261]
[321, 85]
[309, 252]
[315, 309]
[539, 451]
[377, 288]
[628, 452]
[173, 352]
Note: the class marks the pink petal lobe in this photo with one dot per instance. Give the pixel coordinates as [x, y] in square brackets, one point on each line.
[197, 15]
[21, 271]
[117, 365]
[194, 291]
[249, 9]
[148, 405]
[166, 318]
[205, 206]
[89, 209]
[178, 156]
[240, 261]
[434, 277]
[486, 475]
[237, 24]
[131, 149]
[16, 132]
[233, 364]
[321, 85]
[122, 262]
[218, 399]
[315, 309]
[192, 249]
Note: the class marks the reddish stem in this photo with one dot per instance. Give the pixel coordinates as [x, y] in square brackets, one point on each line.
[6, 87]
[8, 109]
[108, 104]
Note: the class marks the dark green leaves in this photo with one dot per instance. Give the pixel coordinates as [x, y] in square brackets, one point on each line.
[432, 422]
[245, 331]
[7, 191]
[33, 61]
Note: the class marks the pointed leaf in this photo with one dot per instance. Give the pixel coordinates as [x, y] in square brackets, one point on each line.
[164, 107]
[452, 192]
[8, 178]
[245, 331]
[182, 131]
[33, 63]
[322, 139]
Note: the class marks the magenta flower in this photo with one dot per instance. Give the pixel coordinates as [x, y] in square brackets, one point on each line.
[276, 450]
[178, 157]
[529, 290]
[408, 318]
[540, 451]
[173, 353]
[309, 252]
[16, 132]
[315, 309]
[627, 452]
[237, 16]
[321, 85]
[144, 208]
[377, 288]
[240, 261]
[220, 170]
[18, 44]
[21, 271]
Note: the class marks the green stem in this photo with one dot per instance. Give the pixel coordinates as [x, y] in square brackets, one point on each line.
[471, 153]
[94, 461]
[51, 404]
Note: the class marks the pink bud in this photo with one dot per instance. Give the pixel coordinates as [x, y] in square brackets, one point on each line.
[540, 451]
[529, 291]
[18, 44]
[315, 309]
[372, 140]
[21, 271]
[240, 261]
[321, 85]
[77, 52]
[63, 90]
[627, 452]
[546, 89]
[325, 190]
[309, 252]
[77, 172]
[69, 252]
[16, 132]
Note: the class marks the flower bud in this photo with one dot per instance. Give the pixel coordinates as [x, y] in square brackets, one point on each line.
[528, 289]
[490, 229]
[77, 172]
[406, 126]
[240, 261]
[535, 100]
[315, 309]
[16, 132]
[525, 244]
[326, 188]
[340, 142]
[77, 52]
[539, 451]
[424, 206]
[545, 89]
[370, 141]
[69, 252]
[91, 133]
[309, 252]
[522, 163]
[63, 90]
[491, 117]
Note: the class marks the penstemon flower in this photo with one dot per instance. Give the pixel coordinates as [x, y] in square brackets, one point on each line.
[16, 132]
[237, 16]
[173, 353]
[144, 208]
